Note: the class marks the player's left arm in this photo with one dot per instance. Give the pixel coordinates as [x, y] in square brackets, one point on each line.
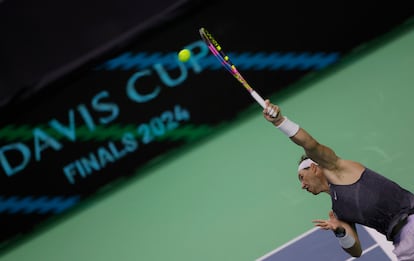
[345, 171]
[318, 152]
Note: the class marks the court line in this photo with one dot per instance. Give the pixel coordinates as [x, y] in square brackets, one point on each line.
[287, 244]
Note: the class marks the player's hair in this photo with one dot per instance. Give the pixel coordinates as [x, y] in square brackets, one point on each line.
[302, 158]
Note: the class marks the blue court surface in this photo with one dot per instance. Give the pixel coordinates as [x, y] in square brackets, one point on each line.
[317, 244]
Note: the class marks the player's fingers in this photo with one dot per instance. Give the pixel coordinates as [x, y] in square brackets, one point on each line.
[323, 225]
[267, 107]
[318, 220]
[271, 110]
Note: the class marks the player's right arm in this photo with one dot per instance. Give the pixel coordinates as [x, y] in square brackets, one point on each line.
[346, 233]
[355, 250]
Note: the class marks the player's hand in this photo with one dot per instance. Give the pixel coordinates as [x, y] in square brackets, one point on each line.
[272, 113]
[331, 224]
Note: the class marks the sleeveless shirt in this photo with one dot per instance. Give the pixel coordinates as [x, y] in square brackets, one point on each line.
[373, 201]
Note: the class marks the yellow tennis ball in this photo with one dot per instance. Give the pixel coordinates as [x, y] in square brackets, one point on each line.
[184, 55]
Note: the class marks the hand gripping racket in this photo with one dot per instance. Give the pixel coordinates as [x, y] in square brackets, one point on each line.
[215, 49]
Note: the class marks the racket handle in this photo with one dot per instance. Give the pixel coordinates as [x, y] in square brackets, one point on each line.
[258, 98]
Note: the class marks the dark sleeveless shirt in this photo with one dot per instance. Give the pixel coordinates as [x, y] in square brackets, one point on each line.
[373, 201]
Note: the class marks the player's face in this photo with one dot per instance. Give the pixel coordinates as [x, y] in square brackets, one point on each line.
[309, 181]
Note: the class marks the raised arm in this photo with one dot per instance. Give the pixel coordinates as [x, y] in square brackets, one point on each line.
[319, 153]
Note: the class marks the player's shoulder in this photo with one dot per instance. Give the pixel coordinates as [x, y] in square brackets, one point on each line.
[349, 171]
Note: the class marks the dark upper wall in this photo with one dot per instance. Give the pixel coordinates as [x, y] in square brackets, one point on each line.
[43, 40]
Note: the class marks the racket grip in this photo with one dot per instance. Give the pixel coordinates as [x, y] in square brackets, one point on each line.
[258, 98]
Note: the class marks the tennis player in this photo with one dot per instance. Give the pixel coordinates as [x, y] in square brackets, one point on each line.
[359, 195]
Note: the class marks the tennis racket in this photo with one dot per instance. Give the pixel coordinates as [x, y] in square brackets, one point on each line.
[217, 51]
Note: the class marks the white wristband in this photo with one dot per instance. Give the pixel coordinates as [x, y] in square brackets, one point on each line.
[288, 127]
[346, 241]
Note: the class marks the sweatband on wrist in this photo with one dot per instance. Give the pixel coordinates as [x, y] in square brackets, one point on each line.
[288, 127]
[346, 241]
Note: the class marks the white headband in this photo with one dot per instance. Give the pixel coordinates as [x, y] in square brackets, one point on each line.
[306, 164]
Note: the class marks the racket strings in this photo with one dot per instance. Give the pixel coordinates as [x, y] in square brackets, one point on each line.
[217, 51]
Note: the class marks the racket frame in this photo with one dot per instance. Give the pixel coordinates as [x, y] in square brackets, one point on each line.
[224, 59]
